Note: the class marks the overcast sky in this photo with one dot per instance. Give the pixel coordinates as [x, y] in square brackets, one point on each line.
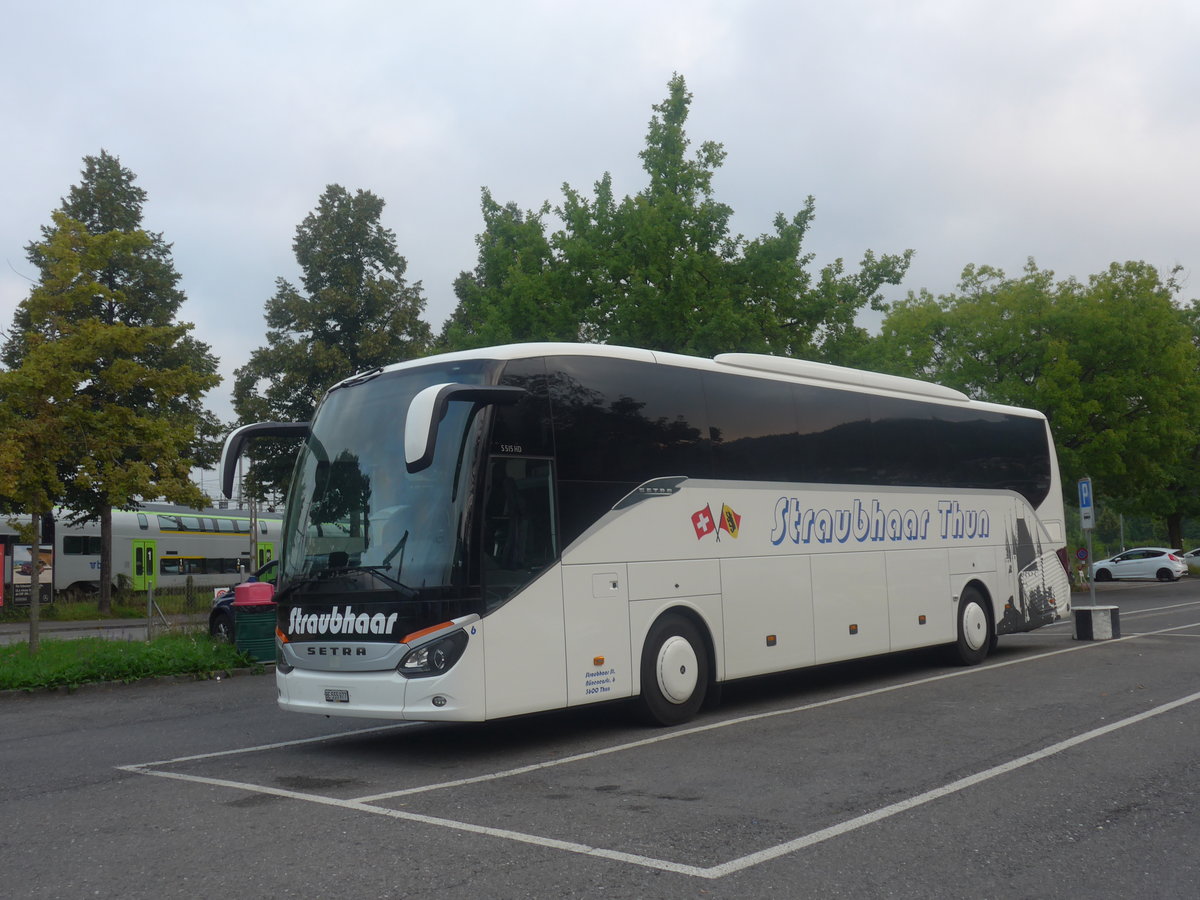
[982, 132]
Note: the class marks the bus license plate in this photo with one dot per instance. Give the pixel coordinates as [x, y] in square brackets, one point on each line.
[337, 696]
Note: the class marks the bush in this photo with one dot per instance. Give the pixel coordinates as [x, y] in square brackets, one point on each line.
[89, 660]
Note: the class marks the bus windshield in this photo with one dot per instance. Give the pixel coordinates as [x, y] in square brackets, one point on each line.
[353, 505]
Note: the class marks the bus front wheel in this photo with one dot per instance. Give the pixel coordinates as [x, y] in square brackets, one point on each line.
[674, 671]
[975, 637]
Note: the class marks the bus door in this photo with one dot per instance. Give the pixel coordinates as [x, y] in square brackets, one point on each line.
[145, 565]
[520, 537]
[266, 553]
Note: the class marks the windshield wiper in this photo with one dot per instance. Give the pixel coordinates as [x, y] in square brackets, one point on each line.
[378, 570]
[322, 576]
[399, 548]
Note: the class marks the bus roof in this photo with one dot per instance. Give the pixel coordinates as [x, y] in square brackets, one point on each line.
[797, 370]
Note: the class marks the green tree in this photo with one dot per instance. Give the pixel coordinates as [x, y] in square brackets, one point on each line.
[1110, 362]
[33, 450]
[1181, 498]
[661, 269]
[122, 384]
[356, 312]
[503, 300]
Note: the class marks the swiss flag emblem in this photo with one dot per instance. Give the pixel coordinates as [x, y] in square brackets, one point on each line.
[702, 521]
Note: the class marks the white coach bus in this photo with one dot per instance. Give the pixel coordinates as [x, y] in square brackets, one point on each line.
[539, 526]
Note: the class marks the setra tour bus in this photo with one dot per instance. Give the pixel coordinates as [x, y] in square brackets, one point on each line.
[540, 526]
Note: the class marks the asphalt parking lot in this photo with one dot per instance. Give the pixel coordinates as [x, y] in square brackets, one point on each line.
[1060, 768]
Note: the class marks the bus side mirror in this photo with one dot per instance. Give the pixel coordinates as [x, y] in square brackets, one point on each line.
[239, 437]
[428, 408]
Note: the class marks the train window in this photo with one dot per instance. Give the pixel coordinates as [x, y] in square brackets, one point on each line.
[170, 565]
[143, 522]
[262, 526]
[81, 545]
[190, 523]
[241, 526]
[168, 523]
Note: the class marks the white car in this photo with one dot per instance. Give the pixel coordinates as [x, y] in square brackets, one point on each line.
[1192, 558]
[1141, 562]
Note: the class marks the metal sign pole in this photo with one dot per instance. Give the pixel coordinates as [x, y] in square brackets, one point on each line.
[1087, 521]
[1091, 580]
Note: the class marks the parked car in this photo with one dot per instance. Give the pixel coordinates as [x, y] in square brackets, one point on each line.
[221, 620]
[1192, 558]
[1141, 562]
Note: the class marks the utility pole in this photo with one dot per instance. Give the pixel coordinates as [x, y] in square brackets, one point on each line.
[35, 588]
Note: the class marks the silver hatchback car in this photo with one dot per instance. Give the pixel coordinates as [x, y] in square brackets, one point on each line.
[1141, 562]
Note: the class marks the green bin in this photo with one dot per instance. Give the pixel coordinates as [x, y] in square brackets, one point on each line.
[254, 620]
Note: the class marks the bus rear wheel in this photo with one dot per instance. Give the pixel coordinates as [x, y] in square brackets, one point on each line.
[675, 670]
[975, 634]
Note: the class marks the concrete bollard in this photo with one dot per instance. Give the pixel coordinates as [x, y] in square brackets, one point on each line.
[1097, 623]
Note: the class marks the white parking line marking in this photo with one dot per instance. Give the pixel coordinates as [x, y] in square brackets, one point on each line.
[365, 804]
[741, 720]
[276, 746]
[521, 837]
[953, 787]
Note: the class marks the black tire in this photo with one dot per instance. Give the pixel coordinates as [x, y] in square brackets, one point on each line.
[220, 626]
[675, 669]
[1165, 575]
[1103, 575]
[976, 633]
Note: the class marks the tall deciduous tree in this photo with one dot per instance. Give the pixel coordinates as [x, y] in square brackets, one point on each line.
[1110, 361]
[504, 299]
[103, 315]
[661, 269]
[355, 312]
[33, 449]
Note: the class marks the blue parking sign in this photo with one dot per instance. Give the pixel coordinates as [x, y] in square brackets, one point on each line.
[1087, 511]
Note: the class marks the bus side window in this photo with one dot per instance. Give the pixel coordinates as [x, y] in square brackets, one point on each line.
[519, 533]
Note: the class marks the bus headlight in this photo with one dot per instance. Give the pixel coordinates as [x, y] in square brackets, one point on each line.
[434, 658]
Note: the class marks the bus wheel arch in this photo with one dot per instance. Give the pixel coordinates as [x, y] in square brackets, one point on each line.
[676, 668]
[976, 633]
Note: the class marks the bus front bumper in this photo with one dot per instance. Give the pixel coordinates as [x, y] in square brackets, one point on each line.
[456, 696]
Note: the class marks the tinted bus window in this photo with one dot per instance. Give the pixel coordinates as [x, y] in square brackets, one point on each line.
[753, 429]
[624, 421]
[949, 446]
[524, 427]
[836, 444]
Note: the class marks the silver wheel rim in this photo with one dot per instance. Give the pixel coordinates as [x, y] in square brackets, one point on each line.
[677, 669]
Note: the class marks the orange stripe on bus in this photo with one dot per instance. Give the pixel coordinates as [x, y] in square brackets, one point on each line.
[424, 631]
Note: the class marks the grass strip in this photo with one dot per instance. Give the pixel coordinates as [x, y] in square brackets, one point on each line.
[69, 663]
